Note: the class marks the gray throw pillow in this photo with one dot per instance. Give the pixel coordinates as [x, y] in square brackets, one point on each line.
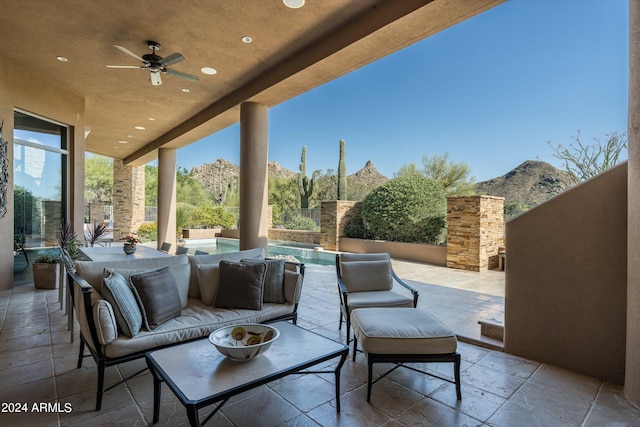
[273, 281]
[157, 295]
[240, 285]
[117, 292]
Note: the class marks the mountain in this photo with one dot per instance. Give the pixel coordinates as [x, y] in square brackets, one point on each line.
[368, 176]
[530, 184]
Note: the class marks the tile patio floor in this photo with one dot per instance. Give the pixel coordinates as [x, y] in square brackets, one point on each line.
[37, 364]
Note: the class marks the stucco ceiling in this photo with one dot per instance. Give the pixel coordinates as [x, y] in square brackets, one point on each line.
[293, 51]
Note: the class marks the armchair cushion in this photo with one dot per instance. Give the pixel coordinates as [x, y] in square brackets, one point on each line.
[365, 276]
[378, 299]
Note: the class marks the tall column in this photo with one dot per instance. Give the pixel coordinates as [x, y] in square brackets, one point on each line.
[128, 199]
[632, 368]
[254, 148]
[167, 197]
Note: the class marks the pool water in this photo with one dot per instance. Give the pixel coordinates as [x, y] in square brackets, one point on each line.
[305, 254]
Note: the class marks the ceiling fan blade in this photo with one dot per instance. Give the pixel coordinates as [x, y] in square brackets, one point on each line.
[171, 59]
[125, 66]
[156, 80]
[185, 76]
[128, 52]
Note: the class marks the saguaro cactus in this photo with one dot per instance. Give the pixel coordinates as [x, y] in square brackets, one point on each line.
[305, 185]
[342, 172]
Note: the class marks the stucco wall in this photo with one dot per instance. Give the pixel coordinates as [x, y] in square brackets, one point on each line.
[20, 88]
[565, 296]
[431, 254]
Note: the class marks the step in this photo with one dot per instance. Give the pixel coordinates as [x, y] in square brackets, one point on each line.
[492, 329]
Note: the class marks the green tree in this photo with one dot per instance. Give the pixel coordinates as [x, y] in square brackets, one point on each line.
[98, 179]
[151, 185]
[283, 198]
[453, 177]
[188, 190]
[410, 208]
[583, 161]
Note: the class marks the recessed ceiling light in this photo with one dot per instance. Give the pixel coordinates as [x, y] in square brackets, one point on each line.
[247, 39]
[122, 142]
[185, 90]
[61, 59]
[140, 127]
[293, 4]
[209, 71]
[129, 136]
[152, 118]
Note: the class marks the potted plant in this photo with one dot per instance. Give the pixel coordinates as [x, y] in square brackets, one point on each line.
[130, 242]
[46, 272]
[94, 233]
[68, 240]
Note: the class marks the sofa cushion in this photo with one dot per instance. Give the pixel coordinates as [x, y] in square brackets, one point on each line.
[93, 271]
[117, 292]
[241, 285]
[361, 276]
[157, 295]
[273, 280]
[208, 279]
[195, 260]
[105, 320]
[181, 273]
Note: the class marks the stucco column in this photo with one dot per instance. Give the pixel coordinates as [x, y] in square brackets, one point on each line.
[167, 197]
[254, 148]
[632, 368]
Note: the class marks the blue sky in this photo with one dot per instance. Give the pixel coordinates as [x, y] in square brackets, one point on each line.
[490, 91]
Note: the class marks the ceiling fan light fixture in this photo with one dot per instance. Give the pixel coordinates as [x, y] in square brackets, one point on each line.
[293, 4]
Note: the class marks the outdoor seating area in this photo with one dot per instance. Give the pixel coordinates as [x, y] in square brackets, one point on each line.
[38, 364]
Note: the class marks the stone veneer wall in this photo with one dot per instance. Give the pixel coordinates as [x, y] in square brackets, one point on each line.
[96, 213]
[51, 221]
[334, 216]
[475, 231]
[128, 199]
[300, 236]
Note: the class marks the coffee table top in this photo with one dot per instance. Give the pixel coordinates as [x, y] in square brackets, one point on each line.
[116, 253]
[196, 371]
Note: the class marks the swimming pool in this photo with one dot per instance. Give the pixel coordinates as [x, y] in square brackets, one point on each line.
[304, 253]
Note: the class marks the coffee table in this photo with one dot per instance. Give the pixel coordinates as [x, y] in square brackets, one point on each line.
[200, 376]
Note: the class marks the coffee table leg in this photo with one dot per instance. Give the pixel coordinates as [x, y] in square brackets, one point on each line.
[192, 414]
[338, 368]
[156, 398]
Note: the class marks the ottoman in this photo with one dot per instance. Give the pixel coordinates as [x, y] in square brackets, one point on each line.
[403, 335]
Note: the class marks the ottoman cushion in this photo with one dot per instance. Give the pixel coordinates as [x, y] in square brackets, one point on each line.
[401, 331]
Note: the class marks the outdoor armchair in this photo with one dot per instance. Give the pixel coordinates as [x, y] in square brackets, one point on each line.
[366, 280]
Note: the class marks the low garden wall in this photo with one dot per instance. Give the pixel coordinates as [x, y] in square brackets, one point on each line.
[201, 233]
[431, 254]
[301, 236]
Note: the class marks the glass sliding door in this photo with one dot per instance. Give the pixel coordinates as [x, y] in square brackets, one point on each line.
[40, 172]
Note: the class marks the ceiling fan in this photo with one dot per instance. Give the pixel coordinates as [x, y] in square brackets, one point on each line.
[156, 64]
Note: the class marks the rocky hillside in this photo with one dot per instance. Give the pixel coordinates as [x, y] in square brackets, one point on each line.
[530, 184]
[368, 176]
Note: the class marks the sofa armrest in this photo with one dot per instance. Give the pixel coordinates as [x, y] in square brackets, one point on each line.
[83, 298]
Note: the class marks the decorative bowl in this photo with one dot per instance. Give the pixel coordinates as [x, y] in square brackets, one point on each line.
[244, 342]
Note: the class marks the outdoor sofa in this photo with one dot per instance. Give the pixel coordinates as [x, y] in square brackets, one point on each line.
[210, 293]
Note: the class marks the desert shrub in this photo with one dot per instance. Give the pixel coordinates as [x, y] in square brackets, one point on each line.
[148, 232]
[299, 222]
[209, 216]
[356, 229]
[409, 208]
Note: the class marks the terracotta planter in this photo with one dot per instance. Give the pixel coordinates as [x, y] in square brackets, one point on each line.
[45, 275]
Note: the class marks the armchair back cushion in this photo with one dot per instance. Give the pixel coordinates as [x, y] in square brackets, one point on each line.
[364, 276]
